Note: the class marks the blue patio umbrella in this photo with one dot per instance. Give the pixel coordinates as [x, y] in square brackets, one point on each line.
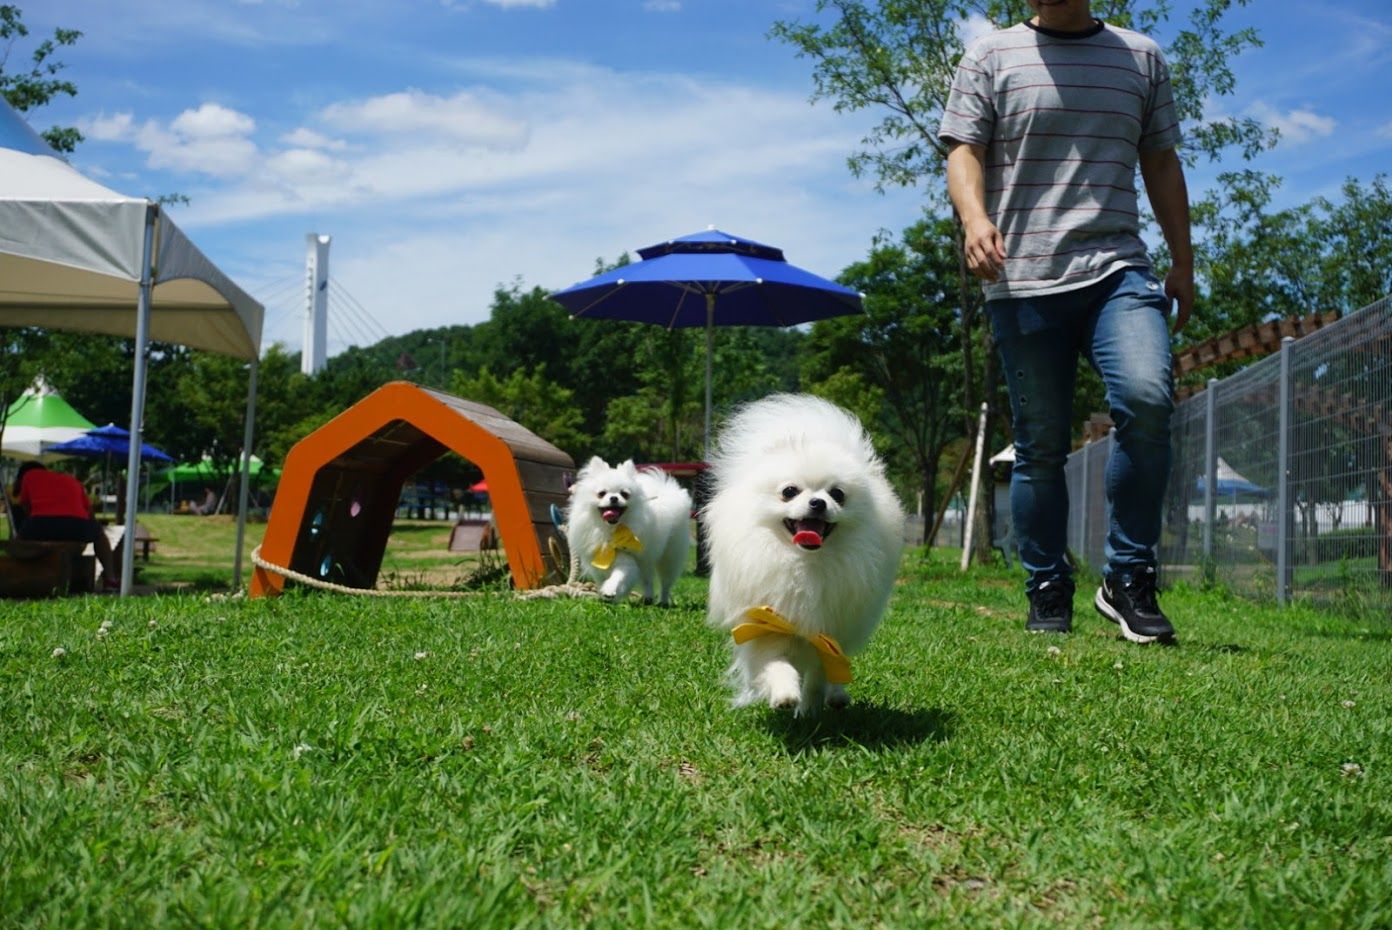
[107, 440]
[709, 279]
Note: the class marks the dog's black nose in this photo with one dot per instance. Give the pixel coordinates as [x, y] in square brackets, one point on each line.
[817, 504]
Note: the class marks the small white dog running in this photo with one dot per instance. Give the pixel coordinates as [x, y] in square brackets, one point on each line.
[804, 536]
[628, 527]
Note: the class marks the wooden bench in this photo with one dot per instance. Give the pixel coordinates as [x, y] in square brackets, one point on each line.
[31, 568]
[116, 535]
[145, 542]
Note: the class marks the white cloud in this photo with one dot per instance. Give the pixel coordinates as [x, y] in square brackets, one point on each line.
[575, 146]
[306, 138]
[210, 140]
[307, 167]
[119, 127]
[427, 221]
[219, 156]
[462, 118]
[662, 6]
[974, 27]
[517, 4]
[1296, 126]
[212, 121]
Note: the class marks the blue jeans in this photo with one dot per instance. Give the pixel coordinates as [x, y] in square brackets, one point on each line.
[1119, 325]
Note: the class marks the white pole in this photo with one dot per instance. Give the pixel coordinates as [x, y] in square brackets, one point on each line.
[314, 349]
[245, 490]
[137, 426]
[976, 483]
[710, 326]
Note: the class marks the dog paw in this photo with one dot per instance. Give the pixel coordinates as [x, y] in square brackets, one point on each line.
[837, 698]
[785, 700]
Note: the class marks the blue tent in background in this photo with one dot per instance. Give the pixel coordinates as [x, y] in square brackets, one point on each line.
[1228, 483]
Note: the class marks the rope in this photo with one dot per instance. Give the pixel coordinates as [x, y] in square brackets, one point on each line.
[571, 588]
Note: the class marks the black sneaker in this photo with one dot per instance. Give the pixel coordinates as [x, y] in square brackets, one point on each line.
[1133, 607]
[1051, 608]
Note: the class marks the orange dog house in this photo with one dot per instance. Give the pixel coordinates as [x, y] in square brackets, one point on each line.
[340, 485]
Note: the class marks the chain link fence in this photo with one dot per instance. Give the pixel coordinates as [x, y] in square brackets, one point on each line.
[1281, 486]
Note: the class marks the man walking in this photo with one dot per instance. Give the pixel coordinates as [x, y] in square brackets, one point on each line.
[1047, 121]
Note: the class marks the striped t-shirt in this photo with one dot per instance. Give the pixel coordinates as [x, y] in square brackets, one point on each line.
[1063, 117]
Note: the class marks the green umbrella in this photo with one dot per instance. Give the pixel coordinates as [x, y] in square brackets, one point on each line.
[38, 419]
[192, 472]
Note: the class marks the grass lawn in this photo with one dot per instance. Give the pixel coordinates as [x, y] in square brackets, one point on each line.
[196, 553]
[321, 760]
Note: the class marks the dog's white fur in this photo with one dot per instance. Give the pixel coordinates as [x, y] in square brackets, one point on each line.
[652, 505]
[799, 442]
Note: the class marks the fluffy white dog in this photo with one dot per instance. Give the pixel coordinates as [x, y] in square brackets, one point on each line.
[804, 536]
[628, 526]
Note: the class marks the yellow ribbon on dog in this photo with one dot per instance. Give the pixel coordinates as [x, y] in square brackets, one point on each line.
[765, 621]
[623, 538]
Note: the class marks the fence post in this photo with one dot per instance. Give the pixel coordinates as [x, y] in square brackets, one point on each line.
[1082, 504]
[976, 484]
[1283, 499]
[1210, 497]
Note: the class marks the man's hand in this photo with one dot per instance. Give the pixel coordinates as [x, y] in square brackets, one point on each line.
[1179, 288]
[985, 249]
[966, 185]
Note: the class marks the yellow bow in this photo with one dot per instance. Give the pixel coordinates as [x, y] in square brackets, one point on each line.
[623, 538]
[765, 621]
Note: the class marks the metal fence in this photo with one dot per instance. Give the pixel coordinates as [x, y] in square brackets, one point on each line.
[1281, 486]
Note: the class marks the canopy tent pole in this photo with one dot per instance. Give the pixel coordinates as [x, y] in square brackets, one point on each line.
[710, 328]
[245, 491]
[137, 426]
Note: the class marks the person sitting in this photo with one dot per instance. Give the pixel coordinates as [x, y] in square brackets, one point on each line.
[209, 505]
[56, 509]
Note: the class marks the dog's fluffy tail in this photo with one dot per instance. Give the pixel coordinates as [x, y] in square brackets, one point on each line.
[667, 499]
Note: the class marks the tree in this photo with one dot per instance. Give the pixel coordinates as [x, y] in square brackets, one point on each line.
[901, 351]
[1260, 264]
[27, 89]
[532, 400]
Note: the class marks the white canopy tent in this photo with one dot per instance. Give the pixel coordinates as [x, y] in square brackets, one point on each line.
[75, 255]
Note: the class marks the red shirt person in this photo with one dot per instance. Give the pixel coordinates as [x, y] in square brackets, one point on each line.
[56, 508]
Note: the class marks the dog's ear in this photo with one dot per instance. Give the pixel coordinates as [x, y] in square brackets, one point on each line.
[595, 464]
[628, 468]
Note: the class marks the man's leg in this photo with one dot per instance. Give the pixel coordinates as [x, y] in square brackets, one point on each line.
[1039, 344]
[1130, 348]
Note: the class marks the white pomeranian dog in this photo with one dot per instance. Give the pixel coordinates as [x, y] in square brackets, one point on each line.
[804, 535]
[628, 527]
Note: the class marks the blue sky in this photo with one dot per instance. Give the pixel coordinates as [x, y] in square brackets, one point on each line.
[452, 146]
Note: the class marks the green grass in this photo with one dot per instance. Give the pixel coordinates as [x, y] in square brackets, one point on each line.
[196, 553]
[485, 762]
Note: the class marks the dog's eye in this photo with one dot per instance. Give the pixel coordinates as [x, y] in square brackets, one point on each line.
[623, 494]
[837, 495]
[789, 492]
[602, 494]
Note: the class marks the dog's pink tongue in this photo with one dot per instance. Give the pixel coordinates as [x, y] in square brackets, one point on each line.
[807, 538]
[611, 514]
